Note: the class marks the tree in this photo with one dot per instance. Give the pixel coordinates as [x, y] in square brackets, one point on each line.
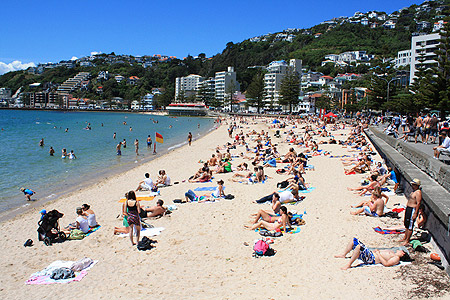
[205, 95]
[290, 89]
[255, 92]
[229, 97]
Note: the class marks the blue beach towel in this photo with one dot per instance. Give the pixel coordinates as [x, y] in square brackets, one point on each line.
[205, 188]
[93, 230]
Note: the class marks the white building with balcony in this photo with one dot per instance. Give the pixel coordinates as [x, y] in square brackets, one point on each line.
[403, 58]
[225, 82]
[187, 86]
[422, 52]
[276, 72]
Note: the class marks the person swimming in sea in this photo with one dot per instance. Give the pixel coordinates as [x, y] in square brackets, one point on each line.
[64, 153]
[72, 155]
[51, 151]
[41, 142]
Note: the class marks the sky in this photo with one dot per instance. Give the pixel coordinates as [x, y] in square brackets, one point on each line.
[33, 32]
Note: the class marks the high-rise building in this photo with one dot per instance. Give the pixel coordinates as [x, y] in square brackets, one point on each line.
[225, 83]
[276, 72]
[187, 86]
[422, 52]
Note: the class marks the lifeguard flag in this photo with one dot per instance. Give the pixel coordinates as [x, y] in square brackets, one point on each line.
[159, 138]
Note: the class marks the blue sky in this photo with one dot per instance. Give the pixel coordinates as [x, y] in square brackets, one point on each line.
[44, 31]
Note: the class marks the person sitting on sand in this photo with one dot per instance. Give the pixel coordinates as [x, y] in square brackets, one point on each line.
[386, 257]
[367, 188]
[146, 184]
[272, 223]
[212, 161]
[163, 179]
[205, 176]
[89, 213]
[224, 167]
[81, 223]
[154, 211]
[374, 207]
[242, 167]
[218, 192]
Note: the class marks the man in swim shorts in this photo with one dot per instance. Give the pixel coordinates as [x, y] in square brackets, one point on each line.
[385, 257]
[412, 209]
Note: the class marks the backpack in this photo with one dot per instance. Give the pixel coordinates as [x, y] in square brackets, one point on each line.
[145, 244]
[260, 248]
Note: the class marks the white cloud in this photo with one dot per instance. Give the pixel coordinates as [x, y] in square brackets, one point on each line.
[14, 66]
[74, 58]
[95, 52]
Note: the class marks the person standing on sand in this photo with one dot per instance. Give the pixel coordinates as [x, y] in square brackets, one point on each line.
[119, 145]
[412, 209]
[52, 151]
[132, 209]
[149, 141]
[136, 146]
[190, 138]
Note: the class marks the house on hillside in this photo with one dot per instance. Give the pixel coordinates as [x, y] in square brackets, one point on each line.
[103, 75]
[365, 21]
[439, 25]
[324, 80]
[119, 78]
[133, 80]
[389, 24]
[422, 25]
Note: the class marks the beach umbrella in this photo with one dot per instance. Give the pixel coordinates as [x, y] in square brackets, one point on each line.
[330, 115]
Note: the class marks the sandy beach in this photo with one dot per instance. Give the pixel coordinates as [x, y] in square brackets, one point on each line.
[205, 252]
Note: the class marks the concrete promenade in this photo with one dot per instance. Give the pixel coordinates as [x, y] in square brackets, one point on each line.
[411, 162]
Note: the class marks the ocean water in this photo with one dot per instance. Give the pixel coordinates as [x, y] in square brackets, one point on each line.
[23, 163]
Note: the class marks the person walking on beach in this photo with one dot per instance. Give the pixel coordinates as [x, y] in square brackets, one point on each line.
[131, 209]
[149, 141]
[28, 193]
[41, 142]
[52, 151]
[136, 146]
[190, 138]
[412, 209]
[119, 145]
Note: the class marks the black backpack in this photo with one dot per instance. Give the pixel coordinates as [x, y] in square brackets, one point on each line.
[145, 244]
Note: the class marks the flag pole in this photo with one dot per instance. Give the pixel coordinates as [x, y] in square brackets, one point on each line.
[154, 145]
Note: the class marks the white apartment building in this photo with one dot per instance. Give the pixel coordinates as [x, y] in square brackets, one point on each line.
[422, 52]
[225, 81]
[276, 72]
[403, 58]
[187, 85]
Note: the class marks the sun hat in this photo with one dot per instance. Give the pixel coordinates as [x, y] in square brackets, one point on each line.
[22, 189]
[415, 181]
[43, 212]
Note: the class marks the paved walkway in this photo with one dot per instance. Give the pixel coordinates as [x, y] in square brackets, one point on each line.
[425, 148]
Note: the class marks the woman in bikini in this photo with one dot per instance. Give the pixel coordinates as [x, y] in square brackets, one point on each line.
[271, 222]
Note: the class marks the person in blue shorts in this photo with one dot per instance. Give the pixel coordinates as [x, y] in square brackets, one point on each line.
[28, 193]
[386, 257]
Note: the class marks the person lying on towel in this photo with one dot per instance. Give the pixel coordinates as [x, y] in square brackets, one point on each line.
[387, 257]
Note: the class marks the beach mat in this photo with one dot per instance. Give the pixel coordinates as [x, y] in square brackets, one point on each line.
[309, 190]
[205, 188]
[92, 230]
[37, 279]
[386, 231]
[139, 198]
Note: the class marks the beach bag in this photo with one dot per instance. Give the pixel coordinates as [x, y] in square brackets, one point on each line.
[76, 234]
[282, 185]
[260, 248]
[145, 244]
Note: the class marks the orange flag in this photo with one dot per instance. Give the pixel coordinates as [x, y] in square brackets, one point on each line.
[159, 138]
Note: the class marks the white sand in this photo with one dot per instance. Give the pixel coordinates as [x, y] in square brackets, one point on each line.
[201, 253]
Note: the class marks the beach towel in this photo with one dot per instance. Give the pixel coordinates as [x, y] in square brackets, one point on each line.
[139, 198]
[205, 188]
[146, 232]
[386, 231]
[92, 230]
[309, 190]
[43, 277]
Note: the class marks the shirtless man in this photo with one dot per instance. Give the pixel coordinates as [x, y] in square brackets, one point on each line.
[212, 161]
[418, 123]
[374, 208]
[154, 211]
[119, 145]
[367, 188]
[412, 209]
[387, 258]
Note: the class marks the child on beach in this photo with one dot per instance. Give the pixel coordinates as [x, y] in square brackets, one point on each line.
[28, 193]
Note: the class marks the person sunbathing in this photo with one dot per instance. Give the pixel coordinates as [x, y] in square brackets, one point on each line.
[387, 257]
[273, 223]
[367, 188]
[163, 179]
[154, 211]
[374, 207]
[204, 177]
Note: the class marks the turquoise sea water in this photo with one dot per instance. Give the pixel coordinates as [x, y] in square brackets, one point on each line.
[23, 163]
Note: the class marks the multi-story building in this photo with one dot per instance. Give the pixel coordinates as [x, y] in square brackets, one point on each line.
[403, 58]
[73, 83]
[225, 83]
[274, 76]
[422, 52]
[45, 100]
[5, 94]
[187, 86]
